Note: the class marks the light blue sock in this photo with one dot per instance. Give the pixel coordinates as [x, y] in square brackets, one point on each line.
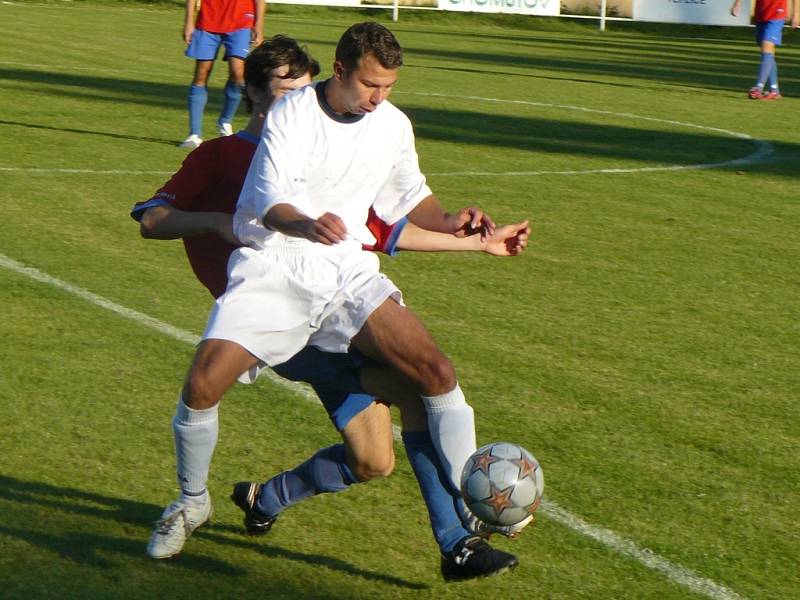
[326, 471]
[433, 483]
[198, 96]
[233, 94]
[773, 76]
[767, 64]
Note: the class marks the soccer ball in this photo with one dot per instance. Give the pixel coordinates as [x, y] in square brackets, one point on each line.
[502, 484]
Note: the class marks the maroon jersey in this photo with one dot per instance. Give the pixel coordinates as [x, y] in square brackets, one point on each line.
[210, 180]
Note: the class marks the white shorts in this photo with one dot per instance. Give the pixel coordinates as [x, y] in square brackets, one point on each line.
[281, 299]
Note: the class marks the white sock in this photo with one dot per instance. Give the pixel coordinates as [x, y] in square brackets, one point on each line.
[195, 438]
[451, 423]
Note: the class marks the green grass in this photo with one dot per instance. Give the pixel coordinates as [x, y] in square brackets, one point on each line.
[645, 347]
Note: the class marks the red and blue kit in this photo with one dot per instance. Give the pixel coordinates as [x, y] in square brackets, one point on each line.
[225, 16]
[210, 180]
[770, 10]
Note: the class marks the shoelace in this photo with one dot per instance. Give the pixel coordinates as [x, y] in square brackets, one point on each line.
[165, 525]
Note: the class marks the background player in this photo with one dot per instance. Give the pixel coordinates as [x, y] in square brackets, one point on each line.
[235, 24]
[769, 18]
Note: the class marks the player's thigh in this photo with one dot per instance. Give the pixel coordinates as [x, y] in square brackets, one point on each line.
[216, 366]
[369, 443]
[394, 335]
[388, 384]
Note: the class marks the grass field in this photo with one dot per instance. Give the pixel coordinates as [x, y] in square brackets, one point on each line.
[645, 347]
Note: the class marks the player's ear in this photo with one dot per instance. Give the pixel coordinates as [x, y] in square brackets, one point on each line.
[338, 70]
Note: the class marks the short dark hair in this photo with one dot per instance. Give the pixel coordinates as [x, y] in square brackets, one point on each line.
[366, 38]
[271, 54]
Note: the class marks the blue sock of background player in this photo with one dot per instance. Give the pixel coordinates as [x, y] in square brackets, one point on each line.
[766, 68]
[233, 95]
[198, 96]
[772, 79]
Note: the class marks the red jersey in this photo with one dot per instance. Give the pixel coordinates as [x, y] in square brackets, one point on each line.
[210, 180]
[769, 10]
[225, 16]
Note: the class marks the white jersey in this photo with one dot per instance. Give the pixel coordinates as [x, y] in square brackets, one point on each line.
[320, 161]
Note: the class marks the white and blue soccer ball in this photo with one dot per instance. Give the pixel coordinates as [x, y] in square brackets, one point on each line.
[502, 484]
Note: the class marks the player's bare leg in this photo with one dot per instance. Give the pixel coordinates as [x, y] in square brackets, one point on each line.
[395, 336]
[216, 366]
[369, 443]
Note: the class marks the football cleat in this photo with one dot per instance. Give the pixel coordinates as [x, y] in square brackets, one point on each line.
[177, 523]
[755, 93]
[473, 557]
[771, 95]
[224, 128]
[245, 495]
[485, 530]
[191, 142]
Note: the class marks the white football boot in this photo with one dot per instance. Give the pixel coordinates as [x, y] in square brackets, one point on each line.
[177, 523]
[224, 128]
[191, 142]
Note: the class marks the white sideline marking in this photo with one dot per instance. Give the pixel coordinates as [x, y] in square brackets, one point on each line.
[762, 152]
[672, 571]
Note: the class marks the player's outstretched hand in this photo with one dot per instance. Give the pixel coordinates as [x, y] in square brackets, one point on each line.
[508, 240]
[328, 229]
[472, 220]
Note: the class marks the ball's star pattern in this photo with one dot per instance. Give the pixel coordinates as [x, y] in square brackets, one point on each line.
[482, 461]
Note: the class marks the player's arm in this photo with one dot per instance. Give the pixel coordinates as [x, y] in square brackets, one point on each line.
[188, 21]
[508, 240]
[165, 222]
[735, 8]
[289, 220]
[795, 14]
[257, 33]
[430, 215]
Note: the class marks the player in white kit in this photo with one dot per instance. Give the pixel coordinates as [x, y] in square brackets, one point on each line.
[328, 153]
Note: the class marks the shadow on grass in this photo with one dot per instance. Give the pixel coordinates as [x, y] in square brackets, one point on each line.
[108, 134]
[44, 503]
[624, 138]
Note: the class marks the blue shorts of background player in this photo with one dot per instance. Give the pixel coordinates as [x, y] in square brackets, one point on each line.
[770, 31]
[205, 45]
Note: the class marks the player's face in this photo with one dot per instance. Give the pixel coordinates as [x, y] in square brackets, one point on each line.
[362, 89]
[278, 86]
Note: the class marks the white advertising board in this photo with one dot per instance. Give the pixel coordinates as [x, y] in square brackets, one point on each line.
[697, 12]
[519, 7]
[320, 2]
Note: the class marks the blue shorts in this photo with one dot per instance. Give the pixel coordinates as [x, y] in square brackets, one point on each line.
[334, 377]
[205, 45]
[770, 31]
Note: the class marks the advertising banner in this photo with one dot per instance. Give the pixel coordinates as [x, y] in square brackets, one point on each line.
[320, 2]
[697, 12]
[520, 7]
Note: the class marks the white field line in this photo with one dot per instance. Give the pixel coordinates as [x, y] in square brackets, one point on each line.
[672, 571]
[763, 149]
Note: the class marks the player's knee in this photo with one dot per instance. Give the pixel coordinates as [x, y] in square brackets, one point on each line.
[373, 467]
[199, 391]
[437, 375]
